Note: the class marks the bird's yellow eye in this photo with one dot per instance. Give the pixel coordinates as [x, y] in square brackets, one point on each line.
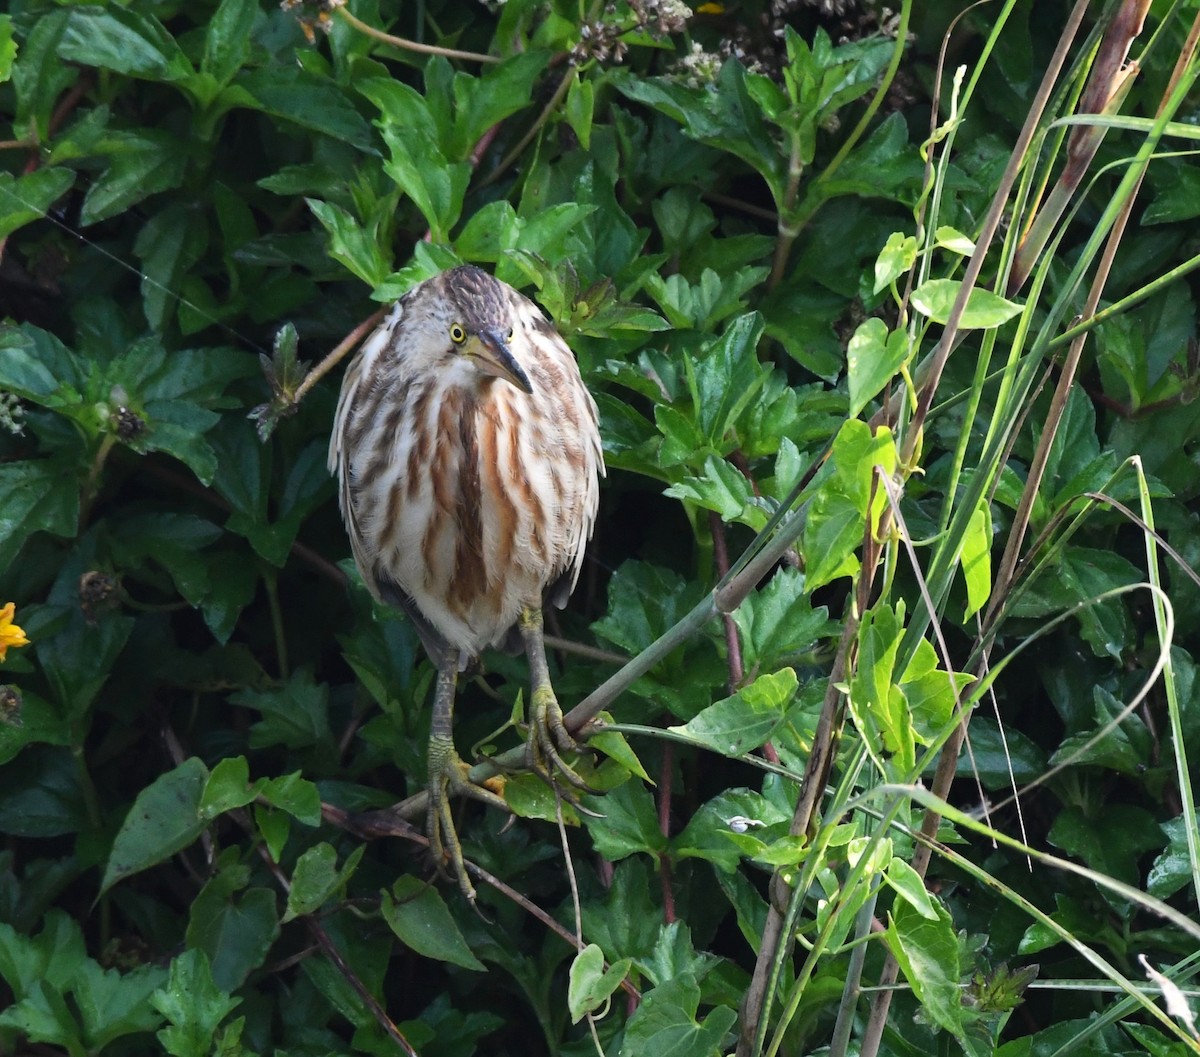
[457, 334]
[510, 333]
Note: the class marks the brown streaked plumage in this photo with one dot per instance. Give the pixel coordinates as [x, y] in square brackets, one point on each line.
[468, 454]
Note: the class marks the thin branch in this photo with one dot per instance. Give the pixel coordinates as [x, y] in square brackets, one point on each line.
[335, 357]
[519, 148]
[413, 45]
[330, 950]
[375, 824]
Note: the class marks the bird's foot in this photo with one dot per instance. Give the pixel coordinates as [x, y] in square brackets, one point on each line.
[448, 776]
[548, 740]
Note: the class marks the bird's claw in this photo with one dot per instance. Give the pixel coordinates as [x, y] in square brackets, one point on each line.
[548, 740]
[448, 775]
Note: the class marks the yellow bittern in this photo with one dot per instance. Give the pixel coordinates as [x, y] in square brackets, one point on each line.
[468, 453]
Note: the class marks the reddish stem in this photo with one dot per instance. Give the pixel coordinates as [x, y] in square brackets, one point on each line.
[664, 824]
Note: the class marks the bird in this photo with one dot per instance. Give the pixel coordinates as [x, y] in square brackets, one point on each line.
[468, 456]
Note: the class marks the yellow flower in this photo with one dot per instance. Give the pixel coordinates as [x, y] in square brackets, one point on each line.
[10, 634]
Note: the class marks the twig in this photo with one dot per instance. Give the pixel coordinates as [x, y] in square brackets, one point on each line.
[413, 45]
[582, 649]
[533, 130]
[376, 824]
[330, 950]
[335, 357]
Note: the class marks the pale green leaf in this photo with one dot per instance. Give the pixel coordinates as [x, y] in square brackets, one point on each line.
[590, 984]
[899, 254]
[976, 559]
[873, 357]
[984, 309]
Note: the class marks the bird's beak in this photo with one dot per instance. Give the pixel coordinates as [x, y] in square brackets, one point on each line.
[493, 356]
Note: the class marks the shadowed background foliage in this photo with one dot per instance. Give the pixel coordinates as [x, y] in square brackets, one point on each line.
[751, 222]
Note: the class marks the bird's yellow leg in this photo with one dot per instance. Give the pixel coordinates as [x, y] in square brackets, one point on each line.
[448, 775]
[548, 737]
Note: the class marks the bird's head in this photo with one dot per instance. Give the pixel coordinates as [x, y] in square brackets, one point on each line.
[471, 321]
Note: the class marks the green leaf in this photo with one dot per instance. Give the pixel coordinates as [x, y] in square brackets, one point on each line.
[294, 715]
[483, 102]
[643, 602]
[41, 796]
[40, 722]
[729, 118]
[39, 78]
[227, 40]
[927, 951]
[418, 915]
[1080, 574]
[307, 100]
[614, 745]
[27, 198]
[53, 955]
[317, 878]
[1177, 198]
[123, 40]
[909, 885]
[43, 1016]
[275, 828]
[8, 48]
[435, 185]
[590, 984]
[112, 1004]
[234, 928]
[228, 787]
[898, 255]
[35, 497]
[723, 489]
[142, 164]
[164, 819]
[984, 310]
[625, 919]
[873, 358]
[722, 831]
[193, 1005]
[955, 241]
[1112, 841]
[832, 534]
[353, 244]
[284, 372]
[666, 1024]
[489, 233]
[878, 704]
[626, 822]
[1172, 869]
[976, 559]
[581, 102]
[674, 955]
[169, 245]
[743, 722]
[778, 621]
[726, 377]
[931, 692]
[35, 365]
[299, 798]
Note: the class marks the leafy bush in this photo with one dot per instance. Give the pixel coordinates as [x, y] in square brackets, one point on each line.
[896, 368]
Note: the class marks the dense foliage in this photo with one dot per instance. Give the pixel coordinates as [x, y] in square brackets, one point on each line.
[896, 373]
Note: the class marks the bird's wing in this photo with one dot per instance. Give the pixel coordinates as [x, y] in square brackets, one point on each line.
[579, 411]
[338, 461]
